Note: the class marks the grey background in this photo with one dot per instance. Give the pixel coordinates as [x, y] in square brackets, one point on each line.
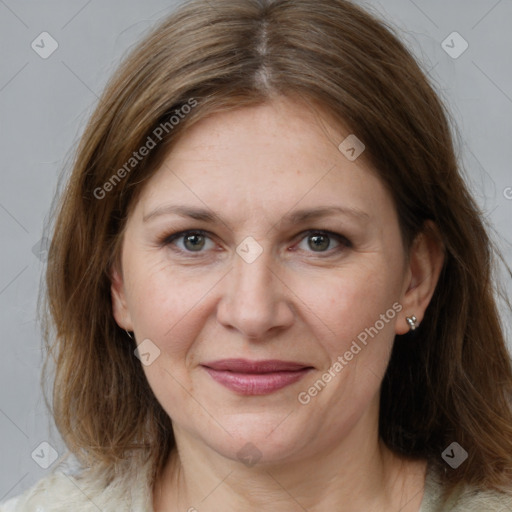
[44, 104]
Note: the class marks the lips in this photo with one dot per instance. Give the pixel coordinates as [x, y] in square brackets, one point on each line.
[255, 377]
[246, 366]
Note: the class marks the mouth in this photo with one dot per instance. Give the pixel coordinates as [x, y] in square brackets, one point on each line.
[255, 377]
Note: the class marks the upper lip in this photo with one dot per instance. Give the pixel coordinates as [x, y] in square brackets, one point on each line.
[247, 366]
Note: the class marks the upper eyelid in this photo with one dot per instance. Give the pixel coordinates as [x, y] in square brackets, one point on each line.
[300, 236]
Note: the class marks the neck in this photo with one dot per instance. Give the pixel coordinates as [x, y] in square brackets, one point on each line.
[359, 474]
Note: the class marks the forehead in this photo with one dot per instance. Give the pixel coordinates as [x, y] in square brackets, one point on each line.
[265, 158]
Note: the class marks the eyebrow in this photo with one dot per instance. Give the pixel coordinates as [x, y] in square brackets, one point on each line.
[295, 217]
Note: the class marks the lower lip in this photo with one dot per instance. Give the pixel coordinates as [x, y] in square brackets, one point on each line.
[256, 383]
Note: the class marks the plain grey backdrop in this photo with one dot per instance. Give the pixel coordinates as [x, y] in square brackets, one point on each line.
[46, 98]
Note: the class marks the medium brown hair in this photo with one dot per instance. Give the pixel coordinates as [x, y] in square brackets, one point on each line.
[450, 380]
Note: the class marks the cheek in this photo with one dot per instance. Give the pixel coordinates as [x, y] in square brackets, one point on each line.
[169, 309]
[352, 322]
[350, 303]
[167, 306]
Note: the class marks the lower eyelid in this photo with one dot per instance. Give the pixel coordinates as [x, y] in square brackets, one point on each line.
[181, 236]
[340, 239]
[171, 240]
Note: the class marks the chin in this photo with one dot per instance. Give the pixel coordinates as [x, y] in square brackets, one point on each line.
[259, 439]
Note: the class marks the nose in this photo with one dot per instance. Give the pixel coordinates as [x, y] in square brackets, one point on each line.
[256, 301]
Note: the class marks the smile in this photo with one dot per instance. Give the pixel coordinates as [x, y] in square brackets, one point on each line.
[255, 377]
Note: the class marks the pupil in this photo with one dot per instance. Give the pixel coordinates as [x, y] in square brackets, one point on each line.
[318, 242]
[194, 242]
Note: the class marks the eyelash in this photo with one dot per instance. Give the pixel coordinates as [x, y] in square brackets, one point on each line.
[344, 242]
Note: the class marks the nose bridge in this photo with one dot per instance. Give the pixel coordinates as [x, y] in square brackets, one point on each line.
[253, 279]
[254, 301]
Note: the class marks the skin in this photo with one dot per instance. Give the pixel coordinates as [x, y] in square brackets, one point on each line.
[252, 167]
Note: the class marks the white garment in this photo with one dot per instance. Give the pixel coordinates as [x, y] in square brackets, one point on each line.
[61, 492]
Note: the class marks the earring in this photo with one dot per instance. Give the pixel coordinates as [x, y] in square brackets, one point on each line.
[412, 321]
[129, 334]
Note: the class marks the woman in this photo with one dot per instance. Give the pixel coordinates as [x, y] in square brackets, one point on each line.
[270, 286]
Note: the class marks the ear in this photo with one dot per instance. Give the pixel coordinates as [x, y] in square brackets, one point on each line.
[119, 305]
[426, 259]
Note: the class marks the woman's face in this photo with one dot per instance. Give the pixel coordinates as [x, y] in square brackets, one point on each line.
[258, 240]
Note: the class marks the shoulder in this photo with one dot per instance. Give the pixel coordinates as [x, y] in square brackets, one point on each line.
[45, 495]
[87, 492]
[463, 499]
[472, 500]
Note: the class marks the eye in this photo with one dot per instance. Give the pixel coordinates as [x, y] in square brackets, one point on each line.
[199, 241]
[323, 241]
[190, 241]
